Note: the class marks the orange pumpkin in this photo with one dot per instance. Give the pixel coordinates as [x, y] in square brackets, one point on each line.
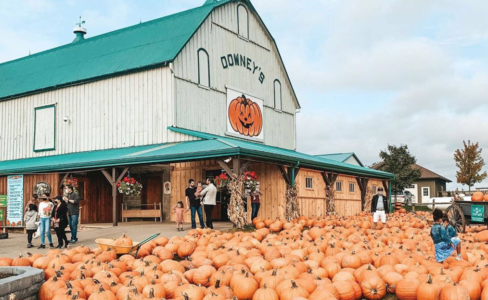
[477, 197]
[245, 116]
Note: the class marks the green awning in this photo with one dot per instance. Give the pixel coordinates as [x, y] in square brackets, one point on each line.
[209, 147]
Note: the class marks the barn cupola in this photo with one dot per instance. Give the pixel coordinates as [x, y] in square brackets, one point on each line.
[79, 31]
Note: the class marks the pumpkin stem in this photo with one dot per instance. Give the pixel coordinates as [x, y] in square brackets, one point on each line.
[294, 284]
[185, 296]
[101, 289]
[429, 281]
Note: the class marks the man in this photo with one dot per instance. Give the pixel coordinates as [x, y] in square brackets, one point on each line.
[210, 193]
[73, 200]
[379, 207]
[194, 204]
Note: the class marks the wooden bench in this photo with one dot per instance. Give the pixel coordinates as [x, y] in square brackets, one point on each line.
[153, 211]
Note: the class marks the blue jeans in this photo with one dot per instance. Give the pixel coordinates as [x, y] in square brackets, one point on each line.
[255, 210]
[45, 225]
[73, 226]
[200, 216]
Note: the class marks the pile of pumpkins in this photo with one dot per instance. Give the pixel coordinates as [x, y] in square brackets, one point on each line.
[323, 258]
[479, 197]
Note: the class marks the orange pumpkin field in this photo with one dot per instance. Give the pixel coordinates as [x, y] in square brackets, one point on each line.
[317, 259]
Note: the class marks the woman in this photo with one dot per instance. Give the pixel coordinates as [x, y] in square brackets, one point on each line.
[45, 212]
[255, 201]
[30, 218]
[444, 246]
[60, 221]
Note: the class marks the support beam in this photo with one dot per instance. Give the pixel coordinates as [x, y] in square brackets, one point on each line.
[284, 174]
[236, 163]
[114, 198]
[363, 185]
[109, 178]
[122, 175]
[224, 166]
[389, 194]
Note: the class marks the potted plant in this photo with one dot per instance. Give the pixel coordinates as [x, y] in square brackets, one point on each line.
[129, 186]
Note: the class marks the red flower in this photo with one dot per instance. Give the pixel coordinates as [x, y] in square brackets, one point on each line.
[118, 184]
[126, 179]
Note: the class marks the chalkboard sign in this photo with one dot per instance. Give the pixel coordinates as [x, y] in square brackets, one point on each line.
[15, 200]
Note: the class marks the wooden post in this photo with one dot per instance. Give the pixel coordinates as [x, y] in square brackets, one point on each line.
[113, 182]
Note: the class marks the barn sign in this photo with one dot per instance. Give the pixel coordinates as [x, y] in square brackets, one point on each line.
[239, 60]
[244, 115]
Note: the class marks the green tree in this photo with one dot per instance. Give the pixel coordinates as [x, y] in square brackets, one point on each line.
[399, 161]
[470, 163]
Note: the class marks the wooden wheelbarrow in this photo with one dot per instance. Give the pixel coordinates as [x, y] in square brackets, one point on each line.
[104, 244]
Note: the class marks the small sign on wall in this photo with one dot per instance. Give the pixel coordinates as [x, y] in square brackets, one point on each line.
[167, 188]
[244, 115]
[15, 200]
[477, 213]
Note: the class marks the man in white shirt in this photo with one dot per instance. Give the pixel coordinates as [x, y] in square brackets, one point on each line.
[210, 193]
[379, 207]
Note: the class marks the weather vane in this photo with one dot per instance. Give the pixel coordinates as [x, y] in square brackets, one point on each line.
[80, 23]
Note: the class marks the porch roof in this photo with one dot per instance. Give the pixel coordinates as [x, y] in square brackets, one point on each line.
[209, 147]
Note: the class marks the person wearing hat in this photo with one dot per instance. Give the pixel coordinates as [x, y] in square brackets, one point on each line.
[379, 207]
[72, 198]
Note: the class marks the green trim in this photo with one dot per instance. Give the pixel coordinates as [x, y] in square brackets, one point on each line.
[35, 128]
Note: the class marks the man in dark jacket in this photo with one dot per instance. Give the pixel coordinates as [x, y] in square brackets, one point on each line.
[379, 207]
[73, 200]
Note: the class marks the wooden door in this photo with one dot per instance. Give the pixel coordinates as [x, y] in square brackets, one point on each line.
[154, 190]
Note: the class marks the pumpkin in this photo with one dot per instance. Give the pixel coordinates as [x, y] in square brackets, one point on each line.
[265, 294]
[454, 291]
[245, 116]
[245, 287]
[406, 289]
[21, 261]
[428, 290]
[374, 288]
[477, 196]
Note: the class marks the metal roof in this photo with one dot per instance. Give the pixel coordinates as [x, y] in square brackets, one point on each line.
[209, 147]
[342, 157]
[141, 46]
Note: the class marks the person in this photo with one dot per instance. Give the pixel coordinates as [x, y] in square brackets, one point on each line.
[178, 208]
[60, 221]
[45, 212]
[452, 234]
[444, 246]
[379, 208]
[194, 204]
[210, 194]
[198, 193]
[73, 200]
[255, 201]
[33, 200]
[30, 219]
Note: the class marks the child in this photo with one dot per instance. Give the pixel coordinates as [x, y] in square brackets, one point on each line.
[198, 193]
[444, 246]
[179, 215]
[452, 234]
[30, 219]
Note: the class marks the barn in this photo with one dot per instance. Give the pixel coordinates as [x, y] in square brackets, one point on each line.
[189, 95]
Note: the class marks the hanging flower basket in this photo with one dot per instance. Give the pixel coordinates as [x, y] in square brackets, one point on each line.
[250, 182]
[73, 182]
[221, 181]
[129, 186]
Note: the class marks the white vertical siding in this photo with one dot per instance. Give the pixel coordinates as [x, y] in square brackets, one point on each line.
[218, 36]
[123, 111]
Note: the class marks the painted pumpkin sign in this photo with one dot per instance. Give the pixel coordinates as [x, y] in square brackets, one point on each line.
[245, 116]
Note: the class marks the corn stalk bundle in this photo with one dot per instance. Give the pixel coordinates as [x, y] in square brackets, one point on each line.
[292, 205]
[367, 199]
[330, 200]
[235, 210]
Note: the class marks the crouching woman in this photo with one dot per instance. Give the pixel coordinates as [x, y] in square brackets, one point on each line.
[444, 246]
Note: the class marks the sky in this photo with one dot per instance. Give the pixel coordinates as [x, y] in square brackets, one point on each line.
[367, 73]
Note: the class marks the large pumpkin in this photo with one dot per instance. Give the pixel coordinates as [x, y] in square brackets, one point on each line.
[477, 197]
[245, 116]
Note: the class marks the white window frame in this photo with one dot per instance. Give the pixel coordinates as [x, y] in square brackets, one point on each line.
[375, 189]
[239, 29]
[35, 147]
[200, 83]
[309, 183]
[278, 103]
[338, 184]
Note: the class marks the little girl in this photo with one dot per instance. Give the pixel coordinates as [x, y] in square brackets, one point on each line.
[30, 219]
[178, 208]
[452, 234]
[198, 193]
[444, 246]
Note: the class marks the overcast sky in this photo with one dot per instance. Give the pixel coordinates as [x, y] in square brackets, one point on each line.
[367, 73]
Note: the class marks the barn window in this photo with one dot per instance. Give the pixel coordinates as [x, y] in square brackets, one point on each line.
[277, 95]
[203, 68]
[309, 183]
[351, 187]
[242, 21]
[45, 128]
[339, 186]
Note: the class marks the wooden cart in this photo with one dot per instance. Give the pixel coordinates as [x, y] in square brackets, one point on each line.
[104, 244]
[460, 214]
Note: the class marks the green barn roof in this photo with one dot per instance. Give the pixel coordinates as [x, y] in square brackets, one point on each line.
[142, 46]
